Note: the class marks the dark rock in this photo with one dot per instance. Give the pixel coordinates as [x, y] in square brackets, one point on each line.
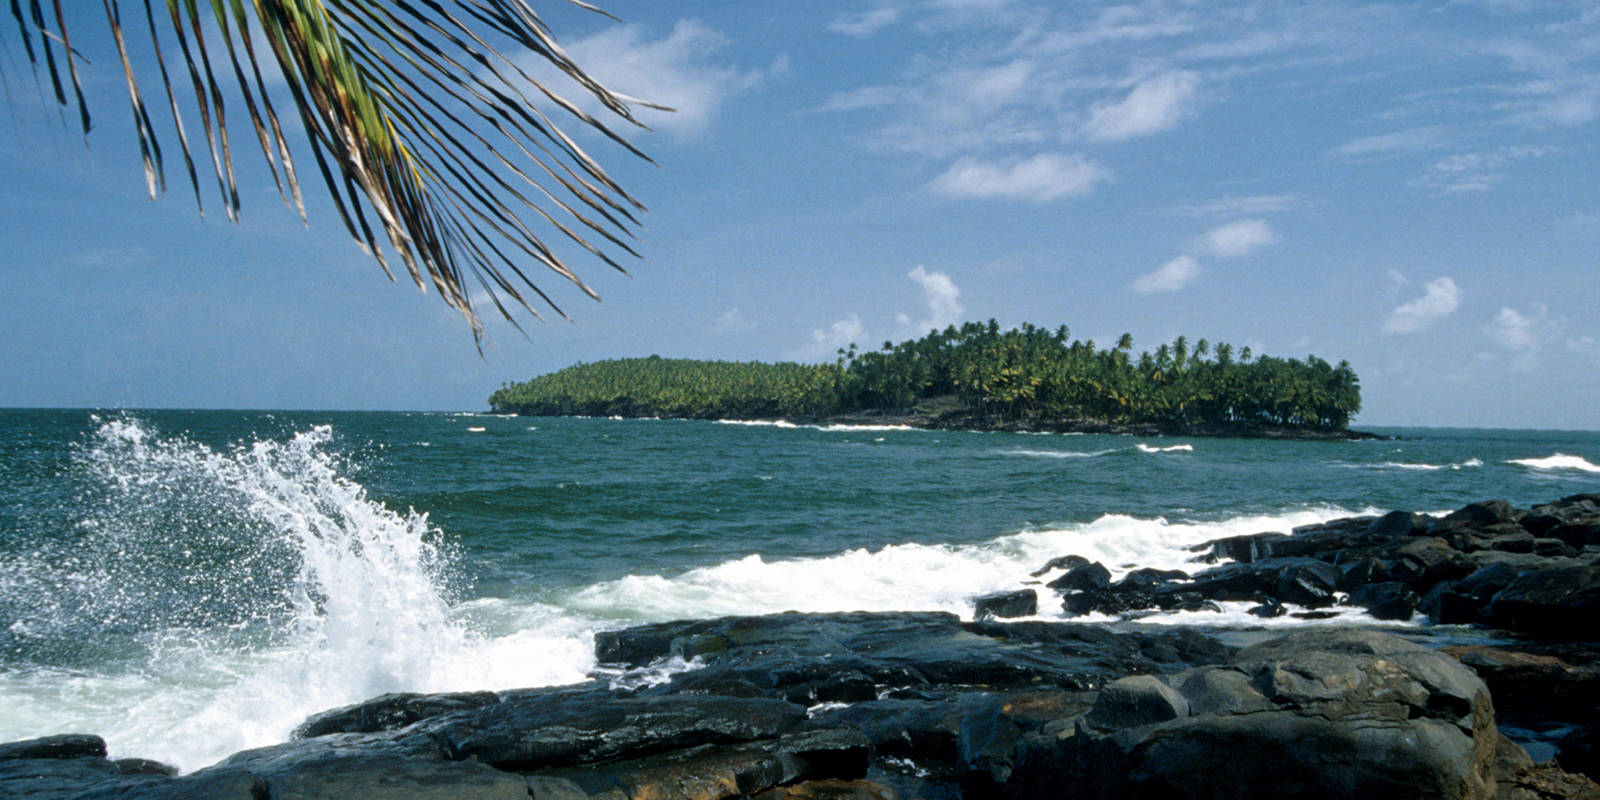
[1579, 750]
[1395, 525]
[830, 790]
[1517, 777]
[1479, 515]
[552, 729]
[1310, 584]
[1021, 603]
[1134, 701]
[1147, 578]
[1323, 714]
[1268, 609]
[712, 680]
[1061, 562]
[50, 778]
[947, 738]
[1388, 601]
[1561, 603]
[390, 712]
[1087, 577]
[64, 745]
[144, 766]
[848, 686]
[1467, 600]
[1576, 535]
[1314, 614]
[1424, 561]
[1536, 686]
[388, 776]
[1361, 571]
[1553, 548]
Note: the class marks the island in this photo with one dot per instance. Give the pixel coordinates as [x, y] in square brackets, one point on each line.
[976, 377]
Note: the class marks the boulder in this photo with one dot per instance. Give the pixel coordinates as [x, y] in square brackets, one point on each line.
[1392, 600]
[1560, 603]
[1083, 578]
[1060, 562]
[390, 712]
[1316, 714]
[1021, 603]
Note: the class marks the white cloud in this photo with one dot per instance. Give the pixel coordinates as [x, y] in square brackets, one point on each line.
[1250, 204]
[1045, 177]
[944, 299]
[1237, 239]
[1153, 106]
[1172, 276]
[840, 334]
[865, 23]
[1440, 298]
[1584, 346]
[1406, 141]
[677, 71]
[733, 321]
[1476, 172]
[1523, 335]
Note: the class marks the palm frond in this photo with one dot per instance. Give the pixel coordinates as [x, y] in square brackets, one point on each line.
[420, 126]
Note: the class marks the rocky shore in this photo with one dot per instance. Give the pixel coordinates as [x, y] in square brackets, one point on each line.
[926, 705]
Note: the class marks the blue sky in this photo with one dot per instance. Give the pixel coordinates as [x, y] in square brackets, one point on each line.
[1409, 186]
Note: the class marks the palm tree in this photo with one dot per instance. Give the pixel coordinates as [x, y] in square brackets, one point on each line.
[413, 117]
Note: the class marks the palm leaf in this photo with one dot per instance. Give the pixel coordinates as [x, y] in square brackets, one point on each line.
[422, 128]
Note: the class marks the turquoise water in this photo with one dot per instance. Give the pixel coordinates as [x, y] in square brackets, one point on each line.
[192, 583]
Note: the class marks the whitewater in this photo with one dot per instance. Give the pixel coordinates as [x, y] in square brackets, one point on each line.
[189, 584]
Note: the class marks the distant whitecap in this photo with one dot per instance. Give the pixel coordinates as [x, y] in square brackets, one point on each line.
[1558, 461]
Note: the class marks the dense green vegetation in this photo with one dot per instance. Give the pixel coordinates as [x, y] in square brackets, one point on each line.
[977, 373]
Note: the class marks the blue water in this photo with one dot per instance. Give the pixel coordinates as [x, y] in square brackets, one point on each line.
[189, 583]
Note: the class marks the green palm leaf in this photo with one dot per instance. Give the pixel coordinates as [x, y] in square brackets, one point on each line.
[422, 130]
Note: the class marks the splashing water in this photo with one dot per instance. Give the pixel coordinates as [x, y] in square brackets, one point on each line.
[208, 601]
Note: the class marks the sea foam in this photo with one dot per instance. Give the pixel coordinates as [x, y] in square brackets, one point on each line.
[1558, 461]
[923, 577]
[235, 592]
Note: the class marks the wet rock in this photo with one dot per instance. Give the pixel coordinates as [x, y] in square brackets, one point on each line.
[1021, 603]
[390, 712]
[1518, 777]
[1479, 515]
[1395, 525]
[1134, 701]
[1060, 562]
[1147, 579]
[1268, 609]
[386, 775]
[1579, 750]
[550, 729]
[1359, 572]
[1424, 561]
[714, 772]
[65, 745]
[1537, 686]
[1467, 600]
[1315, 714]
[1084, 578]
[1310, 584]
[1560, 603]
[1387, 601]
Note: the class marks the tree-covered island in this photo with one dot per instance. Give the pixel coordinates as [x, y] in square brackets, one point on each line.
[979, 377]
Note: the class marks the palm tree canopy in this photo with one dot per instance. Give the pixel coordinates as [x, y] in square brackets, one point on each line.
[418, 115]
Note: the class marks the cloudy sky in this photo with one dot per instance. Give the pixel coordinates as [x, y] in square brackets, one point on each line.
[1409, 186]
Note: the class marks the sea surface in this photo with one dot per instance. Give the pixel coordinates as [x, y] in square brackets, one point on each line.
[192, 583]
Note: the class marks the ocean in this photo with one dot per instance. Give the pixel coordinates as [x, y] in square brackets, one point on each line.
[191, 583]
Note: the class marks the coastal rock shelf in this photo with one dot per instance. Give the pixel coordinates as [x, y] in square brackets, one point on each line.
[927, 705]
